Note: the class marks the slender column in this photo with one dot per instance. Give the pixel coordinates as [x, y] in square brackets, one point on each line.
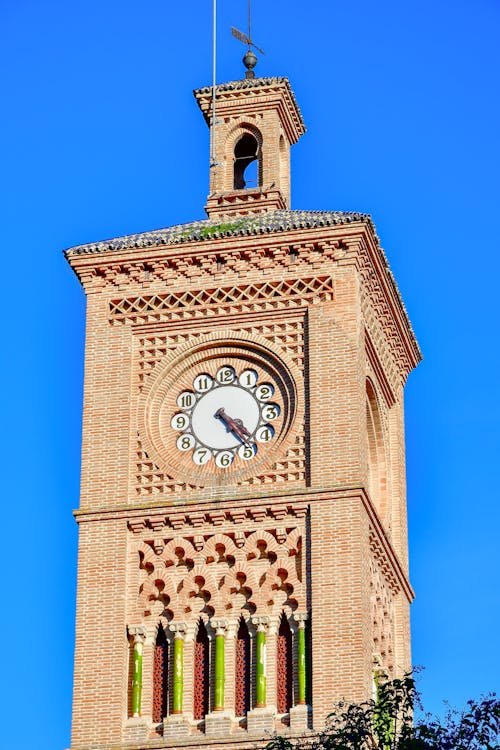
[138, 632]
[220, 637]
[261, 667]
[301, 658]
[179, 630]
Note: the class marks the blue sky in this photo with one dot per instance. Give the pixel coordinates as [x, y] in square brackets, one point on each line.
[102, 137]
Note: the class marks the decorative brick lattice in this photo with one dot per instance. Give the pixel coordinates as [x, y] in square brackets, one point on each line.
[201, 674]
[269, 295]
[160, 678]
[286, 335]
[242, 671]
[150, 480]
[284, 675]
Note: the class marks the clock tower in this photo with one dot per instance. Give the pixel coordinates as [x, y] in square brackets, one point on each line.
[242, 527]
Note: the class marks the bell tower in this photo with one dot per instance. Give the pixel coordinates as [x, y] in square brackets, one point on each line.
[243, 559]
[257, 121]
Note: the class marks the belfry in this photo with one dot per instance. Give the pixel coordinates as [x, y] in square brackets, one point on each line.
[243, 558]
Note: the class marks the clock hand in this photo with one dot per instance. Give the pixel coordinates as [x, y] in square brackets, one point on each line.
[233, 425]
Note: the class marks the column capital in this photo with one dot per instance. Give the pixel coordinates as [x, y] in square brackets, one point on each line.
[138, 632]
[220, 625]
[179, 629]
[300, 618]
[261, 622]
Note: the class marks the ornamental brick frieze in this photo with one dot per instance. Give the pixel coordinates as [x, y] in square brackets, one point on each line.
[212, 264]
[221, 575]
[179, 521]
[378, 371]
[383, 564]
[385, 321]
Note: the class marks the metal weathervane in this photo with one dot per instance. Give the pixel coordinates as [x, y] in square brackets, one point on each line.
[249, 61]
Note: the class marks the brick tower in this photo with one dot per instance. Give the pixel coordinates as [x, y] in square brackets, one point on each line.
[242, 527]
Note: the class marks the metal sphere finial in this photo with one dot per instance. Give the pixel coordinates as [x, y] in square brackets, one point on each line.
[250, 61]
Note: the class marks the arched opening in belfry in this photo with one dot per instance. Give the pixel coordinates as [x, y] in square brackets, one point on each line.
[246, 162]
[201, 672]
[160, 677]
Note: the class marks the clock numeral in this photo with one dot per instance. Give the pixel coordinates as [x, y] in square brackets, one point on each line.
[264, 391]
[203, 383]
[186, 400]
[179, 422]
[224, 459]
[246, 452]
[264, 434]
[201, 456]
[226, 375]
[248, 378]
[270, 412]
[185, 442]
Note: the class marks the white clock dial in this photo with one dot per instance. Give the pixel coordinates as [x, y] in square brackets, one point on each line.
[213, 431]
[224, 418]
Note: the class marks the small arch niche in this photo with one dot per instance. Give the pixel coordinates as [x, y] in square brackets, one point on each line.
[246, 162]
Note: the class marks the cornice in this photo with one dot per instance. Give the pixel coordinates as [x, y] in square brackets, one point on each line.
[266, 92]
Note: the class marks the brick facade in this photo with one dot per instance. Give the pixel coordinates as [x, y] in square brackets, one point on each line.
[314, 530]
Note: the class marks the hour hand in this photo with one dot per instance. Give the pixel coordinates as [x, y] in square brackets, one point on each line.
[235, 426]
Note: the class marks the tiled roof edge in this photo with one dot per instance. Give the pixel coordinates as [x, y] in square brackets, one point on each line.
[264, 223]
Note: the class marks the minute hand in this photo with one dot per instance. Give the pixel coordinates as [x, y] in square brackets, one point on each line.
[233, 425]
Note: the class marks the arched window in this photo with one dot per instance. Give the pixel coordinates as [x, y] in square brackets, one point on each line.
[246, 162]
[284, 668]
[160, 677]
[242, 671]
[201, 673]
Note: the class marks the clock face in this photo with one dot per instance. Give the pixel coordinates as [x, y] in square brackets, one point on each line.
[220, 410]
[228, 416]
